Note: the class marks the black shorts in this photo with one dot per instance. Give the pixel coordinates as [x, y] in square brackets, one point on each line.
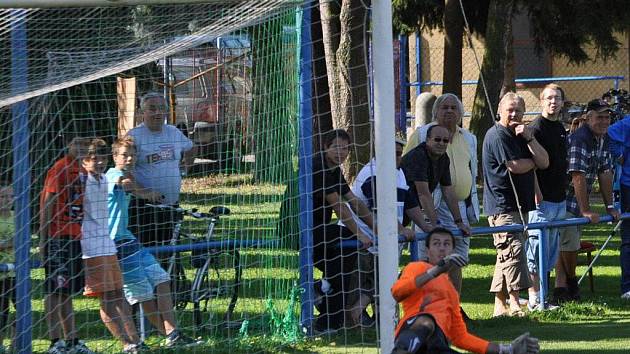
[152, 226]
[63, 266]
[436, 343]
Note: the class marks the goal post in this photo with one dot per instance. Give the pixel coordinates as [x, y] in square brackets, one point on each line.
[386, 182]
[22, 181]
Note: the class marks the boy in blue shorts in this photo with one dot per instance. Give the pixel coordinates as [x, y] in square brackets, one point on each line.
[144, 280]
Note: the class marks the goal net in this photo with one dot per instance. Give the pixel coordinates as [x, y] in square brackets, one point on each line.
[230, 81]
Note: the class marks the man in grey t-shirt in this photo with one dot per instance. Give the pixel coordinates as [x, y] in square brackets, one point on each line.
[161, 148]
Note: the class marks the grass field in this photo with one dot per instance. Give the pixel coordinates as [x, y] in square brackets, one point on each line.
[598, 324]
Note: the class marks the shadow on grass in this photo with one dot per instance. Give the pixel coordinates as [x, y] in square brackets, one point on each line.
[207, 200]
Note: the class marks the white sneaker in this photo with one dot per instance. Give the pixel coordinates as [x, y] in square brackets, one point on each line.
[625, 296]
[536, 306]
[521, 302]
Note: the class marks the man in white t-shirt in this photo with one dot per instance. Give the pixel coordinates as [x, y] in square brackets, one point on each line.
[161, 149]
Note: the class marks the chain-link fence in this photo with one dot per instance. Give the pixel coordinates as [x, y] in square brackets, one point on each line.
[425, 69]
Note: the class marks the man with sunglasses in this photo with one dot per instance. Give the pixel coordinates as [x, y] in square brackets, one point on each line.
[510, 155]
[448, 111]
[426, 166]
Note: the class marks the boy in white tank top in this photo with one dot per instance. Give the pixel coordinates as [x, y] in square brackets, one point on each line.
[103, 278]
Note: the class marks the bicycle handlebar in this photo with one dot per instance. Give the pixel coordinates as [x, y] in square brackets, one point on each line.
[188, 212]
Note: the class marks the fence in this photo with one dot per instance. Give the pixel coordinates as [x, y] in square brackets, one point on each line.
[544, 226]
[424, 63]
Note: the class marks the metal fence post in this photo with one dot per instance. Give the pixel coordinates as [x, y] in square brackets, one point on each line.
[542, 265]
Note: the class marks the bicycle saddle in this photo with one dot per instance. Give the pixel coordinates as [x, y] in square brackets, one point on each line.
[219, 210]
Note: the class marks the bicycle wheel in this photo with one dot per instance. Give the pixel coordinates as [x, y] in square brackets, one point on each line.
[180, 285]
[217, 284]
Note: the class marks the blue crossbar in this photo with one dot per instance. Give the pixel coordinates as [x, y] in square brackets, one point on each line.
[225, 244]
[527, 80]
[505, 228]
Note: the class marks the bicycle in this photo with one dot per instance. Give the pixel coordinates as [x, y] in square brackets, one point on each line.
[218, 269]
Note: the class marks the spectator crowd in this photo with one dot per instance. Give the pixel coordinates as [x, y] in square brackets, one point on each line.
[95, 223]
[532, 173]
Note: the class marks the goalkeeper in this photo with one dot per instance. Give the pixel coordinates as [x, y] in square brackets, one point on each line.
[431, 307]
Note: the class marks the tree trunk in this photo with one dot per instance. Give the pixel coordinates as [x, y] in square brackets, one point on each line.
[453, 40]
[347, 75]
[329, 13]
[492, 69]
[322, 116]
[509, 75]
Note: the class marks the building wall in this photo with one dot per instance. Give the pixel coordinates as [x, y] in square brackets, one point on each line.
[432, 56]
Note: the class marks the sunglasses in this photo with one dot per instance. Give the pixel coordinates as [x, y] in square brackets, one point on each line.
[443, 140]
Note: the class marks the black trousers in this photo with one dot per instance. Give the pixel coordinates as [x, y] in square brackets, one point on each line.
[340, 268]
[152, 226]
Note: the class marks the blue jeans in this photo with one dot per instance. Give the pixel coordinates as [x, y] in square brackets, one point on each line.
[625, 240]
[546, 211]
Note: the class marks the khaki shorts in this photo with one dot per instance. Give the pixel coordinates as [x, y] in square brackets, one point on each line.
[510, 269]
[102, 274]
[570, 236]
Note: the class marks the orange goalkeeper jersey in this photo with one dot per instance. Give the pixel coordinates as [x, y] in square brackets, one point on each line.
[438, 298]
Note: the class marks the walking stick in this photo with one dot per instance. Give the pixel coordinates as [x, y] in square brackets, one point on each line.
[612, 233]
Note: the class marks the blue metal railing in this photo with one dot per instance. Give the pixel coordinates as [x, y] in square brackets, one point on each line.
[230, 244]
[615, 78]
[544, 226]
[506, 228]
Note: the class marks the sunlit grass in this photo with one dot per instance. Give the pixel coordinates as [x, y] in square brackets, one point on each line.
[598, 324]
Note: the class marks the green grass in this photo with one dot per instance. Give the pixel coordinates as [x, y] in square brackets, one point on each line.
[598, 324]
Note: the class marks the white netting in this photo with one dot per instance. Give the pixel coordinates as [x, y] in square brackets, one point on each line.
[99, 42]
[229, 74]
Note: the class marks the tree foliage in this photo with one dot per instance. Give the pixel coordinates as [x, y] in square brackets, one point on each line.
[419, 15]
[565, 28]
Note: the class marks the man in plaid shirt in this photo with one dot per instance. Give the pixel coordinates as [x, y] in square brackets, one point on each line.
[588, 158]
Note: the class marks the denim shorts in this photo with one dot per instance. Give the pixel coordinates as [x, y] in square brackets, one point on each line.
[546, 211]
[141, 272]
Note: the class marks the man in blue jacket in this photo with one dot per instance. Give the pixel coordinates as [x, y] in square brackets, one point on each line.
[619, 146]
